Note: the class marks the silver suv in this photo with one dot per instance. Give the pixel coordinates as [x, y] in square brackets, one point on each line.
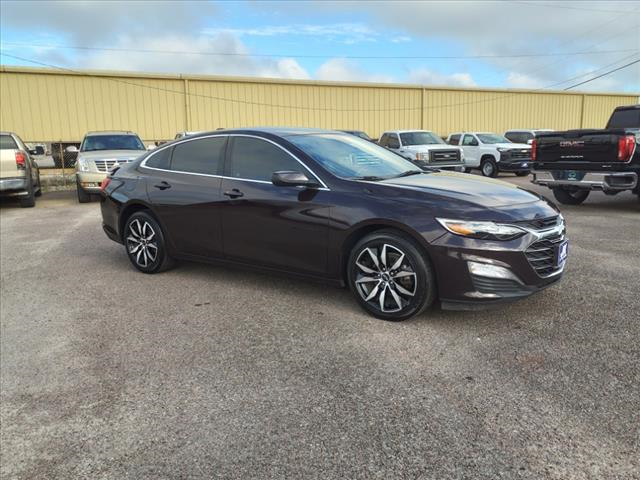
[99, 153]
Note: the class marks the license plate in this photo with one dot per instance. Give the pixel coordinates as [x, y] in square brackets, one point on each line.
[571, 175]
[563, 251]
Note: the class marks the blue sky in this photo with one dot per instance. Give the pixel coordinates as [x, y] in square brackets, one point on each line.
[275, 39]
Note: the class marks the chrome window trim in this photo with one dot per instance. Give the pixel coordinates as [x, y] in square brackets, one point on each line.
[143, 164]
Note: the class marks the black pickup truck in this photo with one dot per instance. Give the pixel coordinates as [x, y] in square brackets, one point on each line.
[574, 162]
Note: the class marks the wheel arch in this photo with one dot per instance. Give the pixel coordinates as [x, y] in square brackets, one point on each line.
[133, 207]
[360, 231]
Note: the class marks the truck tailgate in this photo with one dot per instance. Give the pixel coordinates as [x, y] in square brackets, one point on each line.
[578, 146]
[8, 167]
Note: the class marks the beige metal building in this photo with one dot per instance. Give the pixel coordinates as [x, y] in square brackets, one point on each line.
[52, 105]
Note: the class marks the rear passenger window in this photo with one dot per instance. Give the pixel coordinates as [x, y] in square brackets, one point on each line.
[204, 155]
[160, 159]
[7, 143]
[256, 159]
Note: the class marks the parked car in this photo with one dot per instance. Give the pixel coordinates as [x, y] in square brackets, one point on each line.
[331, 206]
[524, 135]
[358, 133]
[185, 134]
[492, 153]
[424, 148]
[19, 173]
[41, 155]
[575, 162]
[98, 154]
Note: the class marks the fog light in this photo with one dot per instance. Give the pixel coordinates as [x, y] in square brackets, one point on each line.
[491, 271]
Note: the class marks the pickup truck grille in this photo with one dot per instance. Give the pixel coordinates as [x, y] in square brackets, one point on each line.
[542, 255]
[520, 153]
[107, 165]
[444, 156]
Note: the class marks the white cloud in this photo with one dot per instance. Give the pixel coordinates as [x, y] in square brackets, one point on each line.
[340, 69]
[429, 77]
[194, 62]
[342, 32]
[521, 80]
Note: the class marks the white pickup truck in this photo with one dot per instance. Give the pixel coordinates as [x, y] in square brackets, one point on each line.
[492, 153]
[424, 148]
[19, 174]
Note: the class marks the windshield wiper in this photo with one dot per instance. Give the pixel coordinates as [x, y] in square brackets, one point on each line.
[370, 178]
[408, 173]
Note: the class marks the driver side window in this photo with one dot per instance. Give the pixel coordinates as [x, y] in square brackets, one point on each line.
[469, 141]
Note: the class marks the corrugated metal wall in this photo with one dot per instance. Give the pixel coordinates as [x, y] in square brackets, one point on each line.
[46, 105]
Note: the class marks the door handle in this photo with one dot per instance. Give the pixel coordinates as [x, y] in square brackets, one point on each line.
[163, 185]
[235, 193]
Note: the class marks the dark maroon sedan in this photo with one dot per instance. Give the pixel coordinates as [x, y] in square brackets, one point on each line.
[332, 206]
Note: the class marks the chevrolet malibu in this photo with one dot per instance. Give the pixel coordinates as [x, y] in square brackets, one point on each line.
[331, 206]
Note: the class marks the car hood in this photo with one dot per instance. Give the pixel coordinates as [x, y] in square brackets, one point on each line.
[124, 155]
[466, 188]
[436, 146]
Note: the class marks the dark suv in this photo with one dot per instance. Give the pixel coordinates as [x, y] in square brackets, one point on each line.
[332, 206]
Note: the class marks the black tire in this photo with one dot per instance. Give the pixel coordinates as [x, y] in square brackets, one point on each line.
[405, 295]
[488, 167]
[38, 192]
[83, 197]
[467, 170]
[28, 201]
[141, 230]
[522, 174]
[570, 196]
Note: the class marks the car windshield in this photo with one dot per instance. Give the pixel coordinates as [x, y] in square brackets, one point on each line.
[492, 138]
[111, 142]
[420, 138]
[351, 157]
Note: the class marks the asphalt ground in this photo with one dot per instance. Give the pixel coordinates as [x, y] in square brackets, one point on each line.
[212, 372]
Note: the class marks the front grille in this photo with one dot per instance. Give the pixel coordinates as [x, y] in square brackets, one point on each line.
[542, 255]
[107, 165]
[518, 154]
[444, 156]
[540, 223]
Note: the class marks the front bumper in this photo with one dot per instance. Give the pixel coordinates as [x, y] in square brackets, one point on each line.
[14, 186]
[90, 181]
[515, 166]
[606, 181]
[521, 263]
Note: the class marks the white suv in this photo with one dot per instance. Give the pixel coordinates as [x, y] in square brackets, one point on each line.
[424, 148]
[492, 153]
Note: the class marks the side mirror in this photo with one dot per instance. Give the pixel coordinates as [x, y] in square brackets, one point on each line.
[71, 149]
[292, 179]
[33, 152]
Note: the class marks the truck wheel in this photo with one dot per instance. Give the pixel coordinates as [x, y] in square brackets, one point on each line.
[489, 167]
[28, 200]
[570, 197]
[522, 174]
[83, 197]
[38, 192]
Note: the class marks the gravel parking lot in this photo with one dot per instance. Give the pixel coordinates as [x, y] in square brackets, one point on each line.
[210, 372]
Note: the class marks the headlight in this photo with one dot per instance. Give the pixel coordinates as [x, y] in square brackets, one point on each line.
[422, 156]
[84, 165]
[502, 150]
[481, 230]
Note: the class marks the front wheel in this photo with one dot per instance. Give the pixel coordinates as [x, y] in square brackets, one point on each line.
[489, 168]
[570, 196]
[389, 276]
[83, 197]
[145, 243]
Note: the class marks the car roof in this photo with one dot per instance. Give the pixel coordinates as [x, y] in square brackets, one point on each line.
[110, 132]
[408, 131]
[516, 130]
[279, 131]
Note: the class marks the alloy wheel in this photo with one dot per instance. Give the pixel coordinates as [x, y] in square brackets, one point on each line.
[385, 278]
[142, 243]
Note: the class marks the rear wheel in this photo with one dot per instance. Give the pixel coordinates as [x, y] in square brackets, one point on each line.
[83, 197]
[489, 167]
[38, 191]
[467, 170]
[389, 276]
[145, 243]
[570, 196]
[28, 200]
